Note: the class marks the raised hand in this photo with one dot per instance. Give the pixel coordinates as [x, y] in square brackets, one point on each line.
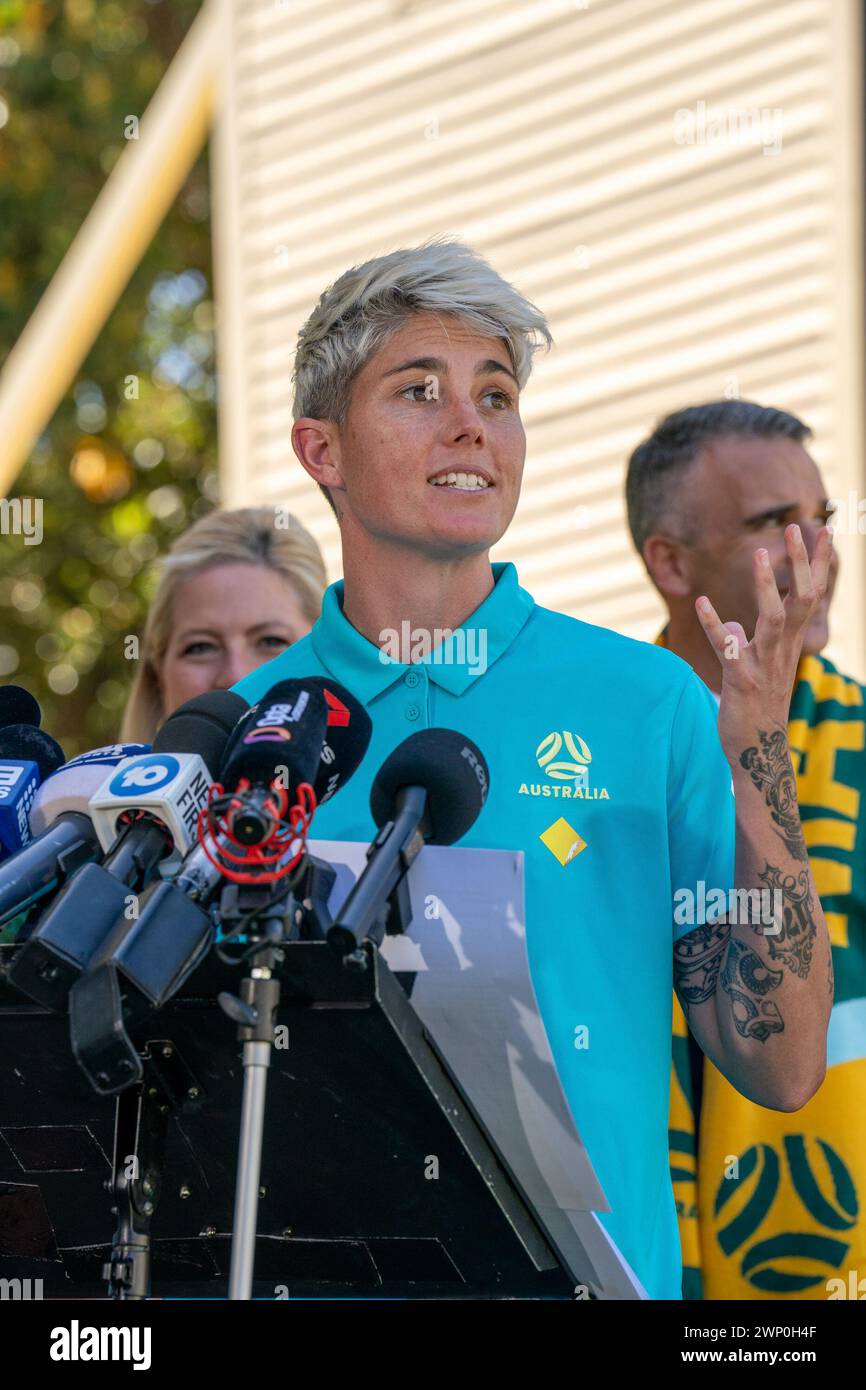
[758, 675]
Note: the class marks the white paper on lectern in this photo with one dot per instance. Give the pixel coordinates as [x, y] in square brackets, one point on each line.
[473, 992]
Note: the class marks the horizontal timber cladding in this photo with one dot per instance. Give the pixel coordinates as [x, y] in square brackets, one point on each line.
[676, 185]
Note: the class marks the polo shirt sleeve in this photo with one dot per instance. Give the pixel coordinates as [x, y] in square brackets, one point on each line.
[700, 802]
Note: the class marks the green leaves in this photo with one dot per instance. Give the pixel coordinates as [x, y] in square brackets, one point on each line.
[129, 459]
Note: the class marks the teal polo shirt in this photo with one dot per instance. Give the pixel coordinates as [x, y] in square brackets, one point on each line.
[607, 772]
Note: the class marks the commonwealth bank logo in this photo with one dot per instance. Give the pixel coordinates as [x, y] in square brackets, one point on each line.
[564, 758]
[563, 841]
[785, 1214]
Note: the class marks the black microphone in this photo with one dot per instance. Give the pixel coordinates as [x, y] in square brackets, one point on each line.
[279, 741]
[452, 771]
[347, 738]
[17, 706]
[282, 732]
[33, 745]
[430, 790]
[204, 723]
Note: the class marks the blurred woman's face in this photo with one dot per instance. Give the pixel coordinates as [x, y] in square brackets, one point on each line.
[227, 621]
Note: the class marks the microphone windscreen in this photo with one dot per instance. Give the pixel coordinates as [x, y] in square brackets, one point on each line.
[285, 729]
[17, 706]
[23, 742]
[347, 737]
[202, 725]
[450, 767]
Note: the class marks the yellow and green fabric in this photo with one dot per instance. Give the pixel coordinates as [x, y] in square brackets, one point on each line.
[772, 1205]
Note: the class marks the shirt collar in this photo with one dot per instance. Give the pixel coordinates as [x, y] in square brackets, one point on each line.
[470, 651]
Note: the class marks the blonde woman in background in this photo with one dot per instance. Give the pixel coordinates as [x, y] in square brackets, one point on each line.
[234, 591]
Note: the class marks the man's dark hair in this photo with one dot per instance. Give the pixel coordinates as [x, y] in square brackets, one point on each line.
[657, 465]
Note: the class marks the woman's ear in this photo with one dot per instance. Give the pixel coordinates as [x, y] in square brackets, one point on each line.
[317, 445]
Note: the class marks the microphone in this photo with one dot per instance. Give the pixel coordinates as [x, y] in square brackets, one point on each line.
[60, 807]
[430, 790]
[17, 706]
[70, 788]
[206, 723]
[285, 730]
[347, 738]
[452, 771]
[27, 757]
[279, 741]
[24, 741]
[169, 785]
[146, 809]
[275, 749]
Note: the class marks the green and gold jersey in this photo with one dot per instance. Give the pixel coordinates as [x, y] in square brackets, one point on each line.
[772, 1205]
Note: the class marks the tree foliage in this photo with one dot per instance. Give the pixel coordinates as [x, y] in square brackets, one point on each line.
[129, 458]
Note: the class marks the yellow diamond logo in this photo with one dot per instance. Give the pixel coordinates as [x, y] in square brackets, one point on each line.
[563, 841]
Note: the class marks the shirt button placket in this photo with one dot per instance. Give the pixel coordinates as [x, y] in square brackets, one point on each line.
[414, 711]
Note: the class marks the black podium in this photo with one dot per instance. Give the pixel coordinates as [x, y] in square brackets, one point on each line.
[378, 1180]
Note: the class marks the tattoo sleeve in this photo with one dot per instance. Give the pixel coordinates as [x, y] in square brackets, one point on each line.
[747, 980]
[771, 771]
[709, 953]
[697, 961]
[794, 928]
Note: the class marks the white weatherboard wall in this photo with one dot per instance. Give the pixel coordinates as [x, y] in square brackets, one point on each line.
[551, 136]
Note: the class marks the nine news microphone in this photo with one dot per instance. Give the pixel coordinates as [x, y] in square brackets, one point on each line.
[144, 811]
[430, 790]
[63, 835]
[27, 757]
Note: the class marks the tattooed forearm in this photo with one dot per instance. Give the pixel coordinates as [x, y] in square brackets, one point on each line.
[771, 771]
[709, 954]
[747, 980]
[794, 928]
[697, 962]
